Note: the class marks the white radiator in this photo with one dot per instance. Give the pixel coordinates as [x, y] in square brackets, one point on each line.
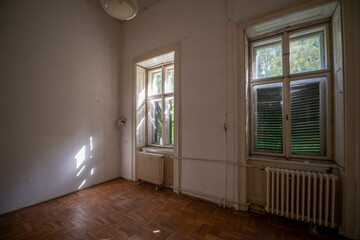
[305, 196]
[150, 168]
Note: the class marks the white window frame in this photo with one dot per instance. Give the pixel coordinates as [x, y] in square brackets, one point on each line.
[286, 78]
[164, 69]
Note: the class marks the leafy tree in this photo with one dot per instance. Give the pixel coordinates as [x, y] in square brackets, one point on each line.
[305, 54]
[269, 61]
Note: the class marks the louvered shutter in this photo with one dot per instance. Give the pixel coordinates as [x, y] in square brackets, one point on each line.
[308, 114]
[268, 118]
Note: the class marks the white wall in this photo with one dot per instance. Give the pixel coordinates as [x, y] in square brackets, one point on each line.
[59, 71]
[205, 30]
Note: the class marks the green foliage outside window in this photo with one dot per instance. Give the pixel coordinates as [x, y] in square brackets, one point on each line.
[158, 122]
[269, 61]
[158, 82]
[305, 54]
[171, 119]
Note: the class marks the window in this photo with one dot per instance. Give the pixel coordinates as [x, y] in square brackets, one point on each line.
[289, 83]
[160, 102]
[155, 102]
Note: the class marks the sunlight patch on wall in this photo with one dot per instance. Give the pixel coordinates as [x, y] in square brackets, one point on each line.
[80, 157]
[83, 182]
[80, 171]
[86, 152]
[91, 143]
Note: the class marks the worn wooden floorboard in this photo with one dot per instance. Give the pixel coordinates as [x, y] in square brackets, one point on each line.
[123, 210]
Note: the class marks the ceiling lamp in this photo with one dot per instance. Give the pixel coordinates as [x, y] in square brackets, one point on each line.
[121, 9]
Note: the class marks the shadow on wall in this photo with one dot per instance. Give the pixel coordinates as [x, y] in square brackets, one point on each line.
[84, 159]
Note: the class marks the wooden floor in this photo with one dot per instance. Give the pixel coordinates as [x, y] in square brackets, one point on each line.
[123, 210]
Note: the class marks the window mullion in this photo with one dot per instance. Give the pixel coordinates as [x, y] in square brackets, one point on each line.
[163, 76]
[286, 95]
[287, 117]
[286, 53]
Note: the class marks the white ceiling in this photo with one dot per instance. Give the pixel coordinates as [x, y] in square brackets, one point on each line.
[145, 4]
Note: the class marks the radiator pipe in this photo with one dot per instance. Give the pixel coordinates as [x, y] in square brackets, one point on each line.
[219, 199]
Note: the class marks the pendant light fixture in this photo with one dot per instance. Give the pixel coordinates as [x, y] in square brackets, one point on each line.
[121, 9]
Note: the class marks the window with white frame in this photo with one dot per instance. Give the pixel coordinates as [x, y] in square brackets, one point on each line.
[289, 88]
[160, 105]
[155, 110]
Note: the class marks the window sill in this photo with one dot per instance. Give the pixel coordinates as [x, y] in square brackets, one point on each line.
[299, 162]
[167, 152]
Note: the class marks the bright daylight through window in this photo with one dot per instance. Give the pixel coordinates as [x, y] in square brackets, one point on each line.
[155, 112]
[289, 81]
[161, 97]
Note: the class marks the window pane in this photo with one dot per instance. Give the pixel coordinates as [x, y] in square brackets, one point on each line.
[308, 116]
[169, 121]
[268, 110]
[155, 84]
[307, 53]
[169, 81]
[268, 60]
[155, 122]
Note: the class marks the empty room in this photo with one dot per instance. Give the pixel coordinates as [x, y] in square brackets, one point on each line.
[179, 119]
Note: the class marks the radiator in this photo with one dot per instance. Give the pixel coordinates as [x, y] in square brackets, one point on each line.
[150, 168]
[304, 196]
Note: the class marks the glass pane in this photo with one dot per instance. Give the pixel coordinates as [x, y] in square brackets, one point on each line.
[307, 54]
[268, 110]
[155, 83]
[308, 116]
[169, 81]
[268, 62]
[169, 121]
[155, 122]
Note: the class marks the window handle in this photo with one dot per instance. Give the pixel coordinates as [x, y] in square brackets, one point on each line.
[287, 117]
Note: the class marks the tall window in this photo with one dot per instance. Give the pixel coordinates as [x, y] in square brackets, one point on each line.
[289, 81]
[160, 102]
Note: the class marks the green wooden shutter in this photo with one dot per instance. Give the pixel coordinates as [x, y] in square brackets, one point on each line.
[308, 124]
[268, 118]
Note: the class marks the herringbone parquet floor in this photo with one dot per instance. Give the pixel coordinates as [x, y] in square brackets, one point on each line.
[123, 210]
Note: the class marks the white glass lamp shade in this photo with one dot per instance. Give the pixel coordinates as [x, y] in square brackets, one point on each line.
[121, 9]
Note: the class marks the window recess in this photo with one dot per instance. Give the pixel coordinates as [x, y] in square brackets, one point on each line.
[155, 102]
